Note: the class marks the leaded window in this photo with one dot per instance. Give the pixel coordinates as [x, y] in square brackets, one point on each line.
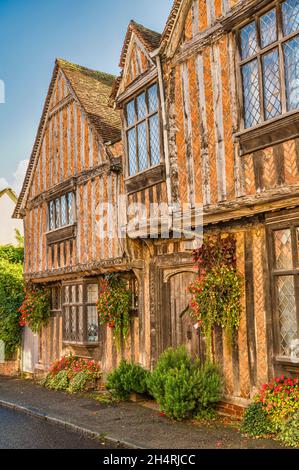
[61, 211]
[269, 61]
[285, 283]
[80, 318]
[143, 131]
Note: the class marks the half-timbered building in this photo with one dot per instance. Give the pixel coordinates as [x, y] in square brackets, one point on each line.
[204, 115]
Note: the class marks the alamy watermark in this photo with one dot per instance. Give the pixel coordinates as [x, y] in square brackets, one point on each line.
[2, 92]
[154, 220]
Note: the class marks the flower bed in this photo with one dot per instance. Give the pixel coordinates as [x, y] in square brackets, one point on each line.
[275, 411]
[72, 374]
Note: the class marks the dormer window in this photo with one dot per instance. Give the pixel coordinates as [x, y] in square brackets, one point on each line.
[143, 131]
[61, 211]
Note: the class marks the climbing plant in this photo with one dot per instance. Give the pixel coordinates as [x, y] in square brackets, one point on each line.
[11, 297]
[114, 306]
[35, 309]
[217, 290]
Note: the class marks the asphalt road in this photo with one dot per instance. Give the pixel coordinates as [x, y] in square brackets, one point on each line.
[20, 431]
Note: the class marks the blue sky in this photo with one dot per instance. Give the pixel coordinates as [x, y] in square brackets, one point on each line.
[32, 34]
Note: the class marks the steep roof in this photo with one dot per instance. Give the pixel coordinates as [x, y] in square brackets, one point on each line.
[171, 20]
[92, 89]
[10, 192]
[149, 38]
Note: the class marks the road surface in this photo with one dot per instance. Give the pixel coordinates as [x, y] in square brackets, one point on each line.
[20, 431]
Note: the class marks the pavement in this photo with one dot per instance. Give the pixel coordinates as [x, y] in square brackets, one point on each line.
[128, 424]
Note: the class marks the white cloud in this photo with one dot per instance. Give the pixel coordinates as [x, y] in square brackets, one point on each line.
[3, 183]
[19, 175]
[17, 179]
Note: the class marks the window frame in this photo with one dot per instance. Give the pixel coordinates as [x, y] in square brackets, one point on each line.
[278, 44]
[54, 201]
[145, 119]
[84, 304]
[289, 222]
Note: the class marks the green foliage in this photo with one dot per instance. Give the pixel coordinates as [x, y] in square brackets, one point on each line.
[79, 382]
[275, 411]
[255, 421]
[35, 309]
[182, 387]
[59, 381]
[114, 306]
[11, 297]
[127, 378]
[217, 291]
[289, 433]
[12, 253]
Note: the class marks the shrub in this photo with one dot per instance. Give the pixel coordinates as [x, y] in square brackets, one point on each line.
[280, 399]
[182, 387]
[11, 297]
[127, 378]
[71, 374]
[276, 410]
[255, 421]
[289, 433]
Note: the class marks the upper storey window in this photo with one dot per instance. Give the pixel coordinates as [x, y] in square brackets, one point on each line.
[61, 211]
[269, 50]
[143, 131]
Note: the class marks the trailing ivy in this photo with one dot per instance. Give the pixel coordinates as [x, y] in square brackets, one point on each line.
[11, 297]
[35, 309]
[114, 306]
[217, 291]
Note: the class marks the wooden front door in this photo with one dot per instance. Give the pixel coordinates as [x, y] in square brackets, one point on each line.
[182, 326]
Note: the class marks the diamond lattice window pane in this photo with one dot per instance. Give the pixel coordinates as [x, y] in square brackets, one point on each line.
[57, 213]
[51, 216]
[63, 211]
[283, 249]
[80, 324]
[252, 109]
[92, 293]
[142, 147]
[290, 16]
[70, 208]
[141, 106]
[153, 98]
[130, 113]
[73, 324]
[132, 151]
[154, 139]
[92, 324]
[287, 313]
[249, 44]
[271, 83]
[66, 323]
[268, 28]
[291, 59]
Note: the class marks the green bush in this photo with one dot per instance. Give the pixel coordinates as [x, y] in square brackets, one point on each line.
[127, 378]
[182, 387]
[255, 422]
[79, 382]
[13, 254]
[11, 297]
[289, 433]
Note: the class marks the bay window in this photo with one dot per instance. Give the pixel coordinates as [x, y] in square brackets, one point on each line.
[269, 63]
